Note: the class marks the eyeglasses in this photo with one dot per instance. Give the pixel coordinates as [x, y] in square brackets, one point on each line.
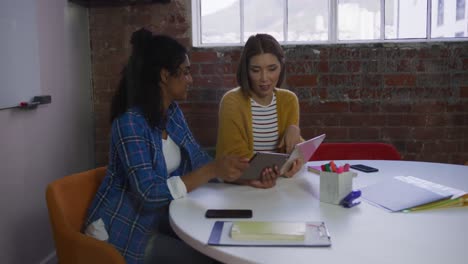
[185, 71]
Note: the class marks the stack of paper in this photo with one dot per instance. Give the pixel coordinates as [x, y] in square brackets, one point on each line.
[276, 231]
[405, 193]
[446, 203]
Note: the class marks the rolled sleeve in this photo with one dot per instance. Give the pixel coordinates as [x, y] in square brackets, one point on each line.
[176, 187]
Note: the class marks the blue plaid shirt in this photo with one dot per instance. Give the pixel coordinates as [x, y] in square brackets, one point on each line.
[131, 196]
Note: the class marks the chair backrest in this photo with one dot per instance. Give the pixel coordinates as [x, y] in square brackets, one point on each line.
[68, 200]
[356, 151]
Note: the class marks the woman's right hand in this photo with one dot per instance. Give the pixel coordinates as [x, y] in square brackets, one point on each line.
[230, 168]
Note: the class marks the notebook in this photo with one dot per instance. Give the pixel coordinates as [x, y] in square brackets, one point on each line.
[404, 192]
[269, 233]
[261, 160]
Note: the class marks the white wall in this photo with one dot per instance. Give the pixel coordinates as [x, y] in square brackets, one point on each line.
[41, 145]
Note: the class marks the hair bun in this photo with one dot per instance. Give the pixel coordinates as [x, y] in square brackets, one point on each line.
[141, 40]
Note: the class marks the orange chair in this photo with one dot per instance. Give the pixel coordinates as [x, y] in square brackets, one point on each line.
[356, 151]
[68, 199]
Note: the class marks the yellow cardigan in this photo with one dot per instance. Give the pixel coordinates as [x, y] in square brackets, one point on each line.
[235, 136]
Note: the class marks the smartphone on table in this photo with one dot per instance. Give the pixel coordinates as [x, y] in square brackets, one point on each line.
[363, 168]
[228, 213]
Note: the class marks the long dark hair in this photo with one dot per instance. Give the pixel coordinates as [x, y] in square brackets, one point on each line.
[256, 45]
[140, 82]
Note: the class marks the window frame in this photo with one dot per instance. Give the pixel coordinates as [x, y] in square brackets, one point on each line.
[332, 31]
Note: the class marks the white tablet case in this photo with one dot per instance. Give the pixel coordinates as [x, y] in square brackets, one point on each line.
[261, 160]
[303, 150]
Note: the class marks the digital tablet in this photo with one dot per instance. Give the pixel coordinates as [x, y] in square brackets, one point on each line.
[262, 160]
[303, 150]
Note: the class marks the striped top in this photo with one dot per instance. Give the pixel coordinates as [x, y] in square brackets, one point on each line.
[264, 125]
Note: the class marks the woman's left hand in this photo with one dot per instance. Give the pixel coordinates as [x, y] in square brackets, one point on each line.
[267, 178]
[296, 166]
[291, 137]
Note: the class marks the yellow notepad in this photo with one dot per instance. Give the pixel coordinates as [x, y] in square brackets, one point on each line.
[273, 231]
[446, 203]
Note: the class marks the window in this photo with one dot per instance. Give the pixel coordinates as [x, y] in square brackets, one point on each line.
[460, 11]
[405, 19]
[358, 19]
[212, 12]
[231, 22]
[440, 12]
[309, 23]
[449, 21]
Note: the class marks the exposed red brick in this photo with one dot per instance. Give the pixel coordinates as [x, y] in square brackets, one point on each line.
[313, 120]
[465, 64]
[428, 133]
[362, 120]
[364, 107]
[229, 81]
[203, 56]
[323, 66]
[333, 133]
[458, 107]
[428, 107]
[203, 108]
[456, 133]
[400, 79]
[210, 69]
[353, 66]
[438, 120]
[410, 96]
[207, 81]
[410, 120]
[464, 92]
[327, 107]
[302, 80]
[395, 107]
[364, 133]
[403, 66]
[395, 132]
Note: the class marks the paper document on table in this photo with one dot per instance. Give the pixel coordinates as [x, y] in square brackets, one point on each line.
[272, 234]
[264, 230]
[446, 203]
[431, 186]
[404, 192]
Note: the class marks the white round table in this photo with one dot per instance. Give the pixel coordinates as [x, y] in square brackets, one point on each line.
[362, 234]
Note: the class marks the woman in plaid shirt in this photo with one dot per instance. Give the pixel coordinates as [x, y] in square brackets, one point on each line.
[153, 156]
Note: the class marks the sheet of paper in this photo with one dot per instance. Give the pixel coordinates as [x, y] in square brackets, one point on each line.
[397, 194]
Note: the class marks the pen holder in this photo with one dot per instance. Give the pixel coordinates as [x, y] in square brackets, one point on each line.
[334, 187]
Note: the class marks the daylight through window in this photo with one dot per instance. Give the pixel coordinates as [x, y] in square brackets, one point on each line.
[231, 22]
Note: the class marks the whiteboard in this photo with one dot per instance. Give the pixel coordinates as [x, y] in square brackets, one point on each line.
[19, 52]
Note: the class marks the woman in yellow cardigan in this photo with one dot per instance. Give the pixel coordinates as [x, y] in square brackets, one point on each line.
[258, 116]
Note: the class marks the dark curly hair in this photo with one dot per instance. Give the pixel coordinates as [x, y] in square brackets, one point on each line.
[139, 85]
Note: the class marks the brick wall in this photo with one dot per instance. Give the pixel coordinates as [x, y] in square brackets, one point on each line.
[414, 96]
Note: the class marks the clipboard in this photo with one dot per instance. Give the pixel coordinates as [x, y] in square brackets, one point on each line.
[316, 235]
